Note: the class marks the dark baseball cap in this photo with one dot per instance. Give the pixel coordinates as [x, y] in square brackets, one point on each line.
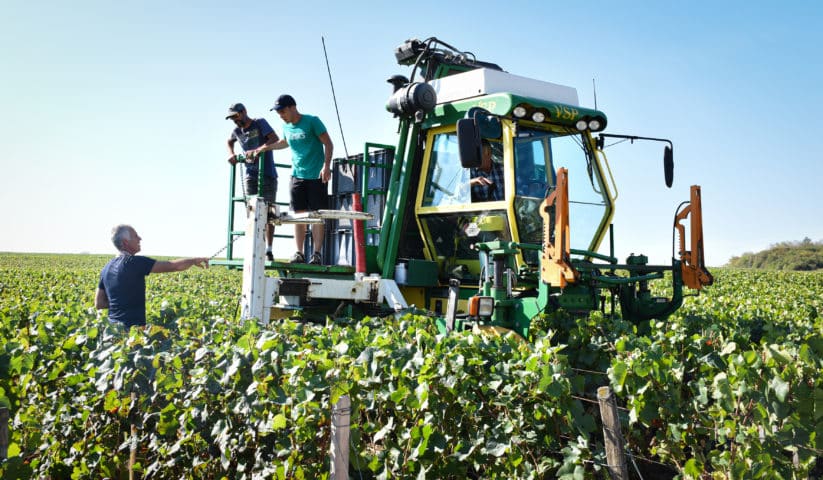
[282, 102]
[235, 109]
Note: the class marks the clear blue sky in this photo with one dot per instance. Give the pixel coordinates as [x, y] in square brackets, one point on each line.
[114, 112]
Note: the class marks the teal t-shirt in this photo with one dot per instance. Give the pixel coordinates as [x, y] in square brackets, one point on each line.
[306, 148]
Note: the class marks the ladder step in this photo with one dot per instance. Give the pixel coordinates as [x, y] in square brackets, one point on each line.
[320, 215]
[341, 214]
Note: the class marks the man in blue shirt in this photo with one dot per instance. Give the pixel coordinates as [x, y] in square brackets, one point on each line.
[253, 133]
[311, 149]
[122, 285]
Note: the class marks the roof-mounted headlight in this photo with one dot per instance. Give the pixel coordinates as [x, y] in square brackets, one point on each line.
[538, 117]
[597, 124]
[581, 124]
[519, 111]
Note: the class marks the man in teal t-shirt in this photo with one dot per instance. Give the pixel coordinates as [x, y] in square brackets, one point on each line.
[311, 149]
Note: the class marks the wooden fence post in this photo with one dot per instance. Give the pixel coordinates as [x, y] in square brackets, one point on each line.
[611, 432]
[132, 439]
[340, 429]
[4, 433]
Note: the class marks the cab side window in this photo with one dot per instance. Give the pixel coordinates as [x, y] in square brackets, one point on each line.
[530, 167]
[447, 182]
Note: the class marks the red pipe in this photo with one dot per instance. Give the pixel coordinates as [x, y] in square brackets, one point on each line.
[359, 236]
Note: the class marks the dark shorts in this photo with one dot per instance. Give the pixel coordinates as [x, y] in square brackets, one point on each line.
[269, 188]
[308, 195]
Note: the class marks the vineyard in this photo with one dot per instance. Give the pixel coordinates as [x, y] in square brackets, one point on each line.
[729, 387]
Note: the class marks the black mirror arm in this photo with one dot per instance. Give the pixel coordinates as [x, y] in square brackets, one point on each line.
[668, 152]
[600, 140]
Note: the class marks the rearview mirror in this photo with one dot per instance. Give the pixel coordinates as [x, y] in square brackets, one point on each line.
[478, 124]
[668, 165]
[468, 143]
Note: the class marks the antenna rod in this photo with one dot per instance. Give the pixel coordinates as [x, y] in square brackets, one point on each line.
[594, 89]
[334, 97]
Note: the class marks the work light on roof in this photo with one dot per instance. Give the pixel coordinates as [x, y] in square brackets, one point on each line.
[594, 124]
[581, 124]
[538, 116]
[519, 111]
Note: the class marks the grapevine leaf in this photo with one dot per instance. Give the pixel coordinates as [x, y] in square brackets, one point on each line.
[780, 387]
[693, 468]
[279, 422]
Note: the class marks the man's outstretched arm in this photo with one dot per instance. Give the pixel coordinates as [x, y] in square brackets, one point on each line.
[179, 265]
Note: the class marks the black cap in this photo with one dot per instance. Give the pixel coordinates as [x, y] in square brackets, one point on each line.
[235, 109]
[283, 101]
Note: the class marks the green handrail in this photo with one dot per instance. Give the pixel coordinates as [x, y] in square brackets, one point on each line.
[391, 198]
[404, 179]
[231, 233]
[260, 174]
[230, 239]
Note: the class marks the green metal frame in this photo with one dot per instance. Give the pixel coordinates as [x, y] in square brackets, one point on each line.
[398, 192]
[230, 261]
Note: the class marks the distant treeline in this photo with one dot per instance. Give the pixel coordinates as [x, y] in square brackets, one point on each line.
[803, 255]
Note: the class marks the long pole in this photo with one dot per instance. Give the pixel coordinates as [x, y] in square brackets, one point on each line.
[334, 97]
[359, 236]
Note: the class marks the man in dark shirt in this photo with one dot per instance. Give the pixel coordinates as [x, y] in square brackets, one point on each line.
[253, 133]
[487, 180]
[122, 285]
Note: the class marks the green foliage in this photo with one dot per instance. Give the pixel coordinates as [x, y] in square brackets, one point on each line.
[212, 398]
[730, 383]
[728, 387]
[802, 256]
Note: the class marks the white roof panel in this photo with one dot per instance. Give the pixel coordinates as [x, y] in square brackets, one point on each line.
[483, 81]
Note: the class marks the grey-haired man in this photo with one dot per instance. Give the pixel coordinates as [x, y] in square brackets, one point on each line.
[122, 285]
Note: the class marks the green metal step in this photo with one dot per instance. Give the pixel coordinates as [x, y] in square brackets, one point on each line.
[287, 269]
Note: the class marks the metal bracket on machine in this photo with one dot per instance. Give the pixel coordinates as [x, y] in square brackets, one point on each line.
[294, 293]
[695, 274]
[556, 268]
[262, 293]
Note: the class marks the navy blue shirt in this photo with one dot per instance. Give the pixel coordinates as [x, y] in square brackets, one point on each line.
[253, 137]
[124, 281]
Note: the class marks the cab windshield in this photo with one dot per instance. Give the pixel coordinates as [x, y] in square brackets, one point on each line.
[452, 217]
[538, 155]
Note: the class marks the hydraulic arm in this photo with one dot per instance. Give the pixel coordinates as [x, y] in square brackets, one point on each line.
[695, 274]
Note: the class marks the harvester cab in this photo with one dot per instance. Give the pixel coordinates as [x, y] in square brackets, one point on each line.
[489, 211]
